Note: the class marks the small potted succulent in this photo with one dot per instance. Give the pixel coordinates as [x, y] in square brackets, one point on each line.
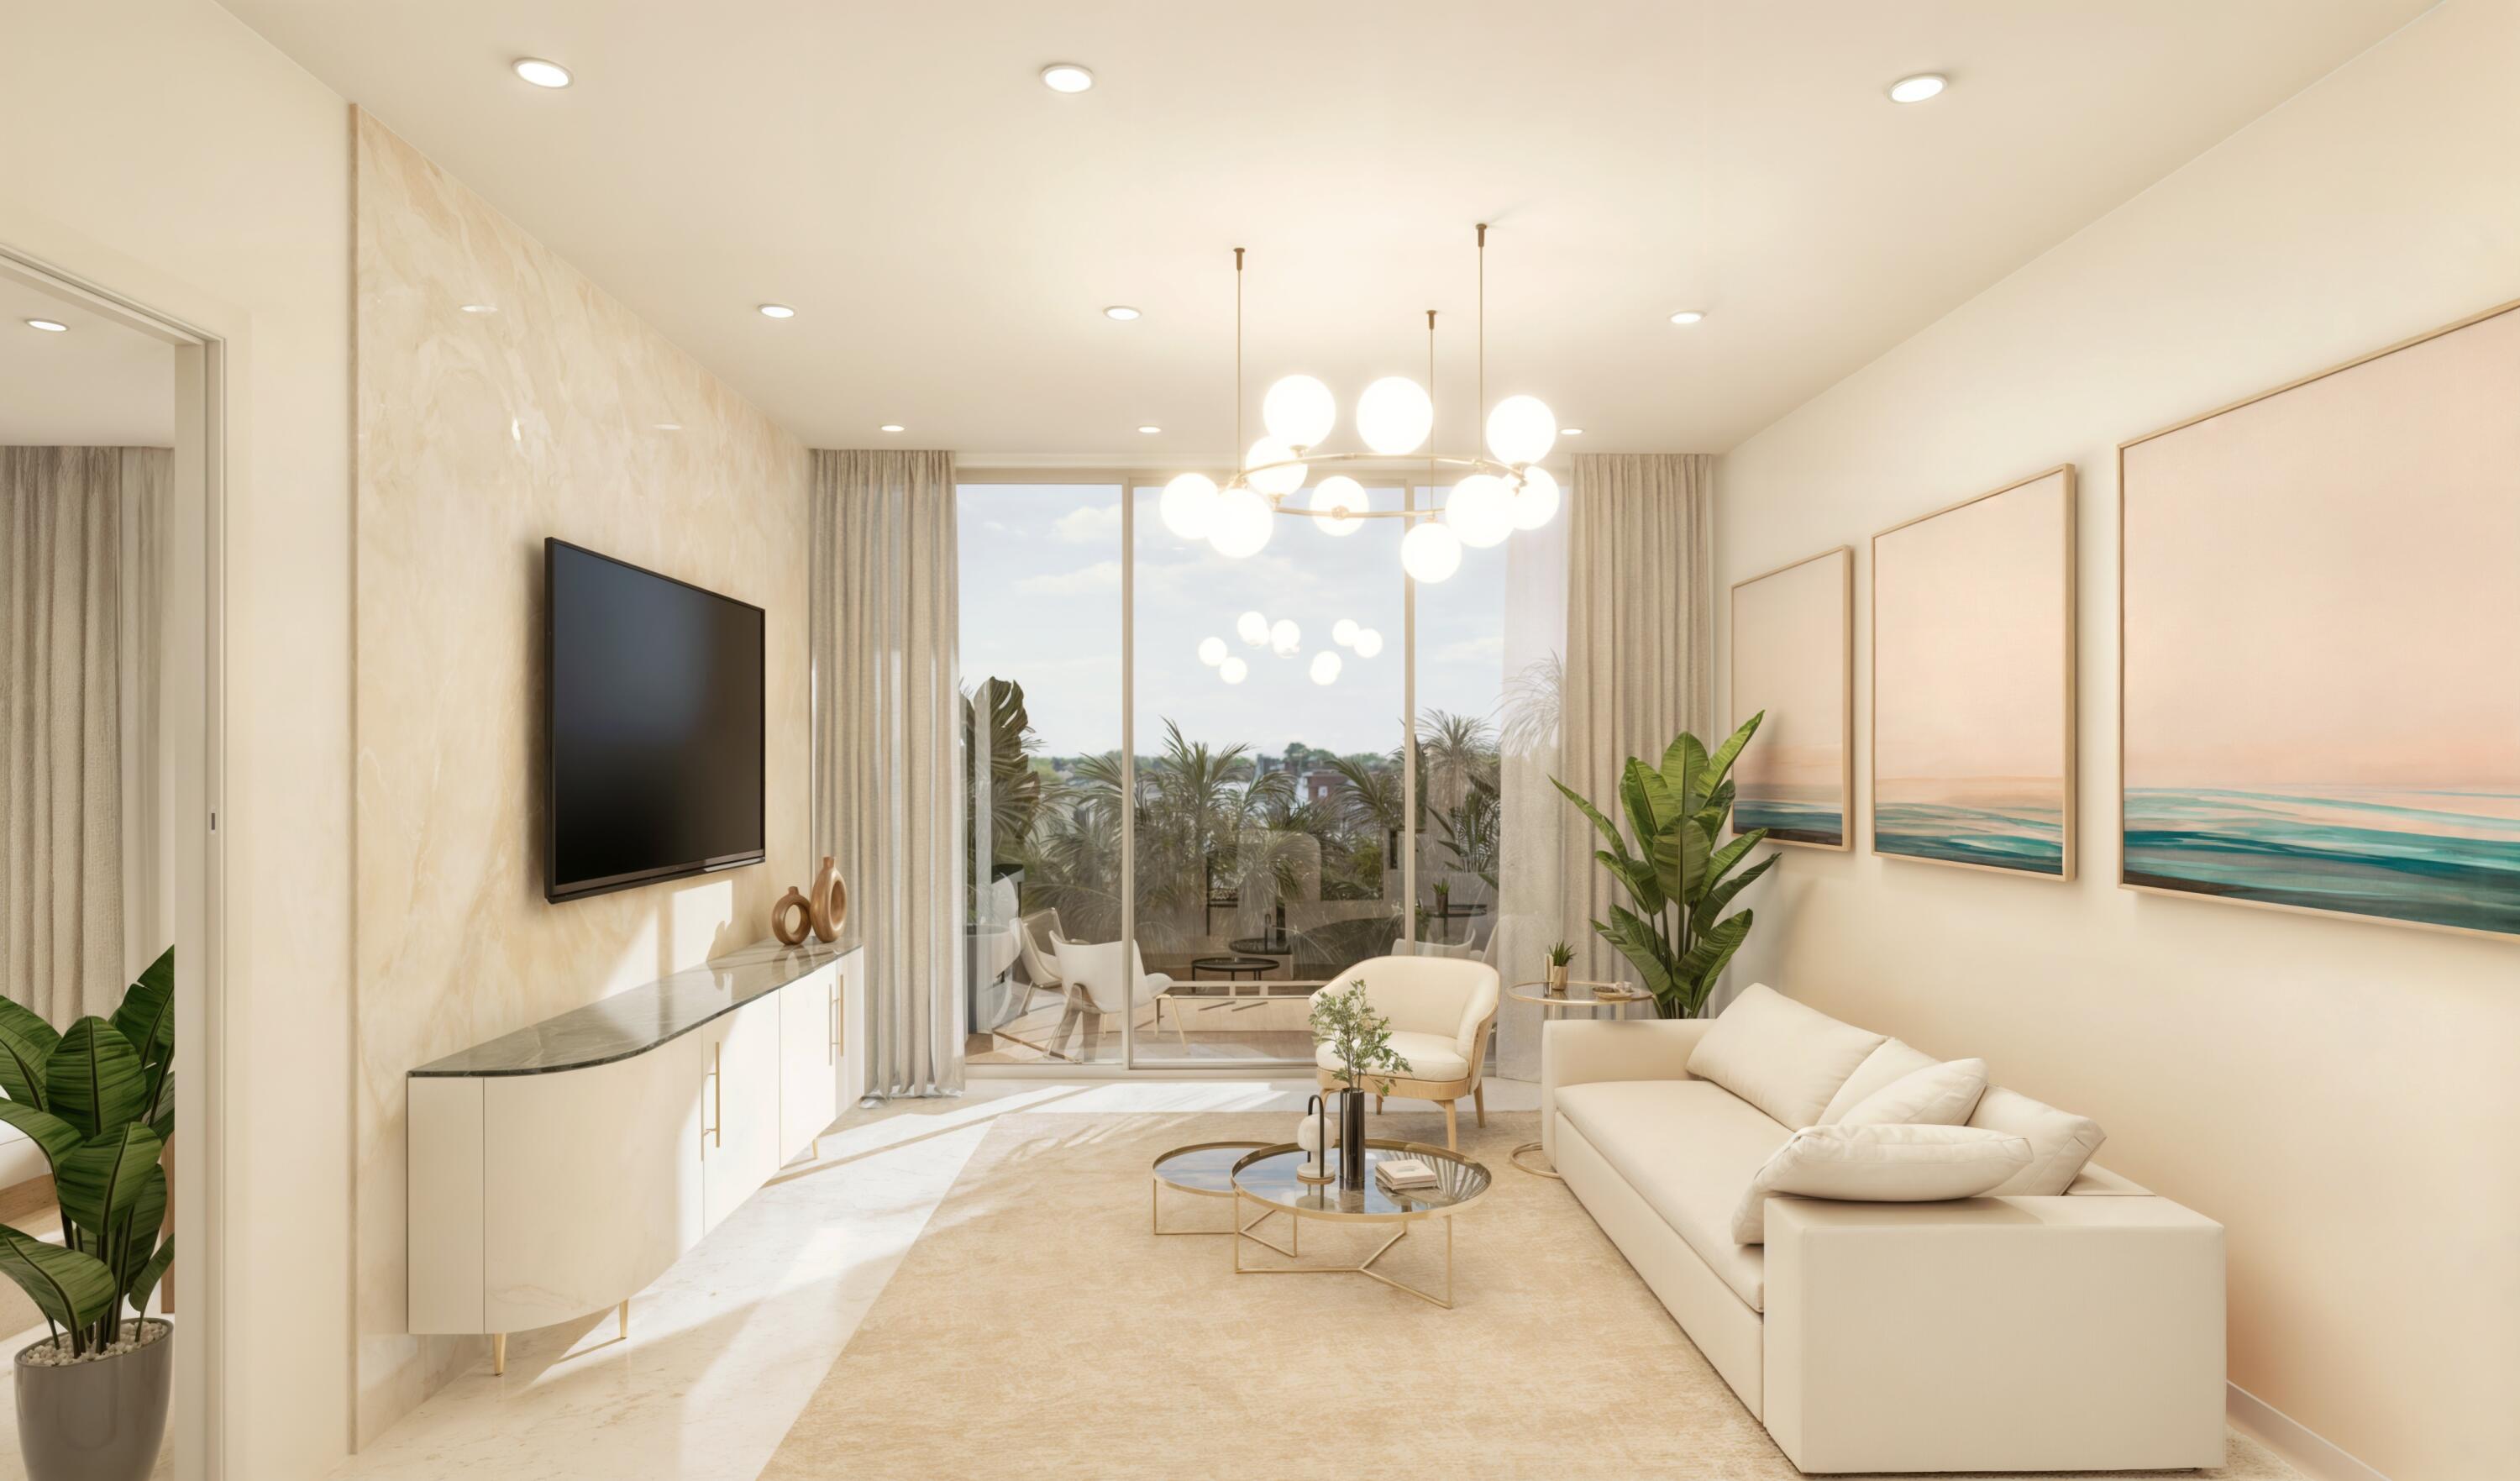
[99, 1100]
[1560, 954]
[1360, 1040]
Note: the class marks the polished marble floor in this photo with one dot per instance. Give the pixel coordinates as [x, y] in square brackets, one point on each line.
[724, 1349]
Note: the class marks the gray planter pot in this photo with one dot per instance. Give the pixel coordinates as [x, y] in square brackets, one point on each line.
[96, 1421]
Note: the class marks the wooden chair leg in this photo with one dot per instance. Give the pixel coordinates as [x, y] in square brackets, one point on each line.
[1058, 1035]
[1378, 1105]
[1479, 1101]
[1451, 1129]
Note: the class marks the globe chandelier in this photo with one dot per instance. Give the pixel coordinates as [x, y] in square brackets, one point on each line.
[1499, 491]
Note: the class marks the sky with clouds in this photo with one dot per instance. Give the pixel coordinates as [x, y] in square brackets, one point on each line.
[1041, 579]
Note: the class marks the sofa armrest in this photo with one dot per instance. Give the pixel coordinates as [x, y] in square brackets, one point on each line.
[2049, 1333]
[1586, 1052]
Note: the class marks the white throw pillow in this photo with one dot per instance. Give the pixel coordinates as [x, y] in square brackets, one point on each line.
[1879, 1164]
[2060, 1141]
[1940, 1094]
[1780, 1056]
[1894, 1058]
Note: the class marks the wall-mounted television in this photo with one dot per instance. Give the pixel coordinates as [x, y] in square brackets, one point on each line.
[652, 702]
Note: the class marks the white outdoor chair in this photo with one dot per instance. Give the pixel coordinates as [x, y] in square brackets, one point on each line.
[1442, 1011]
[1093, 978]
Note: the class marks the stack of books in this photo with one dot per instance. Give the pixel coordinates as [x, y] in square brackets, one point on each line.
[1404, 1174]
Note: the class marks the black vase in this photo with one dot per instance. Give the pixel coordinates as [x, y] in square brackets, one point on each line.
[1351, 1162]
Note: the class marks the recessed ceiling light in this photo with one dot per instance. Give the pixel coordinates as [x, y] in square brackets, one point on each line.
[1120, 311]
[541, 73]
[890, 427]
[1570, 431]
[1066, 78]
[49, 326]
[1918, 88]
[776, 311]
[1689, 316]
[1151, 431]
[480, 308]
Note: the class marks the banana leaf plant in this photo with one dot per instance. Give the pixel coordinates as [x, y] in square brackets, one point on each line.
[99, 1100]
[1680, 874]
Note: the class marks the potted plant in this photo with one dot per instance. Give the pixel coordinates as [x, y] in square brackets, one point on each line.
[1681, 874]
[97, 1098]
[1360, 1040]
[1560, 953]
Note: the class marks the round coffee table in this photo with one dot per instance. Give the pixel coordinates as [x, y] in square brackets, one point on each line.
[1596, 996]
[1266, 1177]
[1203, 1169]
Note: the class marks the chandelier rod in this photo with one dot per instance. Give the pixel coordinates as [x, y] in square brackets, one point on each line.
[1409, 500]
[1237, 352]
[1482, 407]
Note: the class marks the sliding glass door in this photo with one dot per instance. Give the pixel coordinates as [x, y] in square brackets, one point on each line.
[1193, 797]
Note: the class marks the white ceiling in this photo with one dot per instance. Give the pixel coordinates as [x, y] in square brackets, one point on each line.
[101, 384]
[949, 229]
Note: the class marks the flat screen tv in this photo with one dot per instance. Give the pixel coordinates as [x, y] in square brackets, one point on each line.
[652, 701]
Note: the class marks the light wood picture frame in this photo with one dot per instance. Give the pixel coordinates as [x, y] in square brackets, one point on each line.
[1793, 656]
[1972, 752]
[2319, 589]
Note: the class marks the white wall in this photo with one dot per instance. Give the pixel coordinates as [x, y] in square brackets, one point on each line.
[160, 148]
[2338, 1093]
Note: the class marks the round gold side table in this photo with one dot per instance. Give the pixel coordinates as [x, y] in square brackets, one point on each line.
[1614, 996]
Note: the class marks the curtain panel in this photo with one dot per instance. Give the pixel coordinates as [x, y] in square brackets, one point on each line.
[887, 795]
[79, 536]
[1609, 654]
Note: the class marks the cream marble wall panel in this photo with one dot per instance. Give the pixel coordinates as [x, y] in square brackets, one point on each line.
[593, 1181]
[478, 435]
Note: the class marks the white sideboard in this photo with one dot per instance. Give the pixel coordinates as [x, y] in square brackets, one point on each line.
[555, 1171]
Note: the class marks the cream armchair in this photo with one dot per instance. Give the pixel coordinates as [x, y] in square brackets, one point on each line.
[1096, 984]
[1442, 1011]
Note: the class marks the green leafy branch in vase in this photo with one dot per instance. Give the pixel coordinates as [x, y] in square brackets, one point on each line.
[1359, 1038]
[100, 1100]
[1680, 875]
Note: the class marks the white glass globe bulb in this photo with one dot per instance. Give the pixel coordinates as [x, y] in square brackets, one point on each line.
[1368, 643]
[1343, 632]
[1278, 481]
[1211, 652]
[1337, 492]
[1325, 667]
[1537, 504]
[1430, 552]
[1189, 505]
[1232, 670]
[1242, 522]
[1394, 416]
[1285, 637]
[1521, 429]
[1252, 628]
[1299, 411]
[1479, 510]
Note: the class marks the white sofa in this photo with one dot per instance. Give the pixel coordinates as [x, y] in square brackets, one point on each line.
[2082, 1331]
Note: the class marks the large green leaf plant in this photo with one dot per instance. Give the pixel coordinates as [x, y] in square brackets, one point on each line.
[1679, 873]
[99, 1100]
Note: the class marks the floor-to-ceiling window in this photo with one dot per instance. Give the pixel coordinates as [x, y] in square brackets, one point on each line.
[1223, 745]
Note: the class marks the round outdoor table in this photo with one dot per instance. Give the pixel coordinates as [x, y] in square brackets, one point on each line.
[1614, 996]
[1232, 967]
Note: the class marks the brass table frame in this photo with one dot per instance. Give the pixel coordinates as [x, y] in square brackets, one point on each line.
[1156, 1182]
[1617, 1003]
[1365, 1267]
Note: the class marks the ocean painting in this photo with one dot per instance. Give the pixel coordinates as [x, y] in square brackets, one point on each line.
[1792, 658]
[2321, 600]
[1973, 681]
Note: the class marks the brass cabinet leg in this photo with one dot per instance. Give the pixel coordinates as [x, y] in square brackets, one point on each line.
[498, 1351]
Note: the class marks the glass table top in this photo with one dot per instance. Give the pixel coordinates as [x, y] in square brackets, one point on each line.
[1204, 1167]
[1268, 1173]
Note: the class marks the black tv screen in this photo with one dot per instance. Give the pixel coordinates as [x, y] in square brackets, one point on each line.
[653, 706]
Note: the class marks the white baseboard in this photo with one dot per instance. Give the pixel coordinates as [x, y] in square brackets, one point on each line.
[2312, 1453]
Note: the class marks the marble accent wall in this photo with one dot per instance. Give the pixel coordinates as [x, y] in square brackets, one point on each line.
[478, 434]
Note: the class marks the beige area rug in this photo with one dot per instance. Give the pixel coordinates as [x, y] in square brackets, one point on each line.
[1038, 1329]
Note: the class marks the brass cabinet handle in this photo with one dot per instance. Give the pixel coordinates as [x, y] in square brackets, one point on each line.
[717, 1102]
[832, 1055]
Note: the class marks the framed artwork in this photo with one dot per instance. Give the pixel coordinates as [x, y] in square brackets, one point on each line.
[2319, 641]
[1793, 646]
[1973, 681]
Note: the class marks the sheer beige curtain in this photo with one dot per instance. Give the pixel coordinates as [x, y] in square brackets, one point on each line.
[887, 735]
[80, 532]
[1609, 652]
